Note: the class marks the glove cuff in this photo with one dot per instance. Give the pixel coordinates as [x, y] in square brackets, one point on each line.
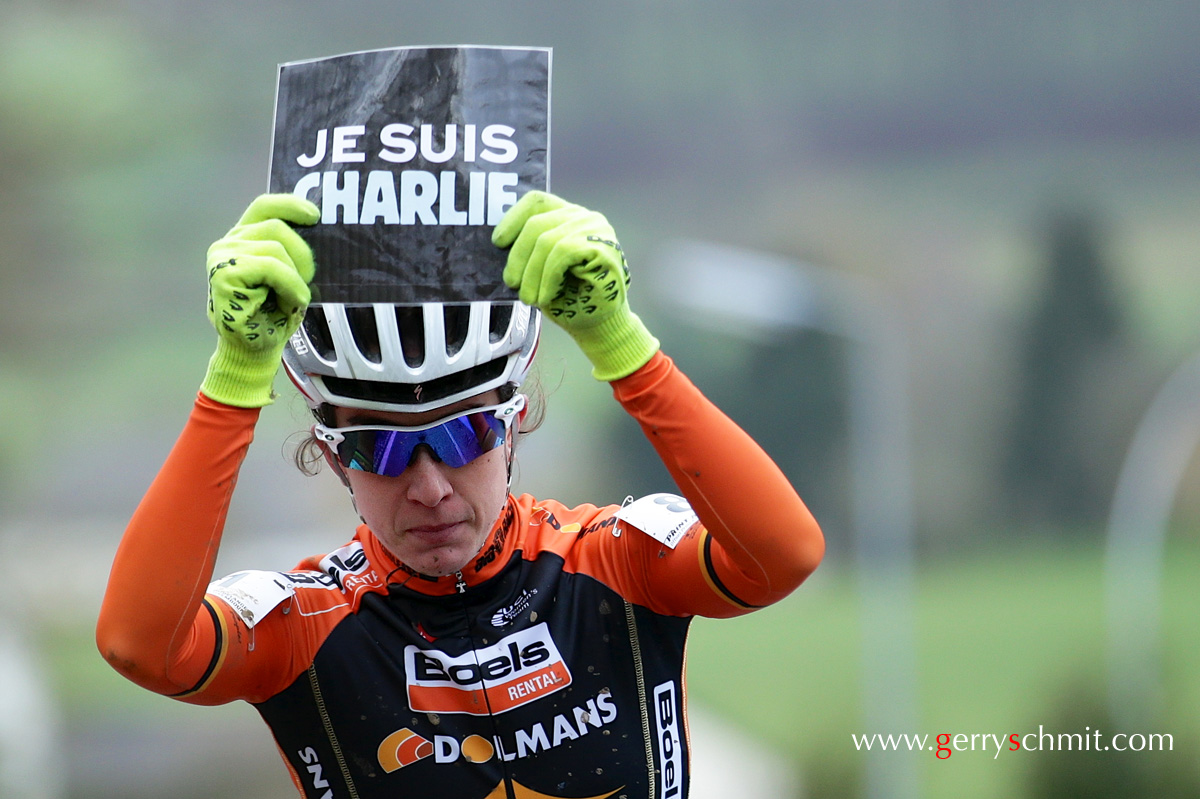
[240, 377]
[617, 347]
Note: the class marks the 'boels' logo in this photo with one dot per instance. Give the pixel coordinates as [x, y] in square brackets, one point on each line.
[514, 671]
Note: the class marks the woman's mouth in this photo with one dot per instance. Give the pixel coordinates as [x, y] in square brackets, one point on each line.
[435, 530]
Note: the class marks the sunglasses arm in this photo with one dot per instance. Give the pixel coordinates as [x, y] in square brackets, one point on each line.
[328, 440]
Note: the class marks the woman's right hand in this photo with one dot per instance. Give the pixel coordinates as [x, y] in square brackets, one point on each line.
[258, 276]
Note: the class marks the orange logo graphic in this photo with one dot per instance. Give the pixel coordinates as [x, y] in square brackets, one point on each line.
[402, 748]
[477, 749]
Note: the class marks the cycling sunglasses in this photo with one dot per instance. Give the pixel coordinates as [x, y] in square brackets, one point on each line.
[454, 440]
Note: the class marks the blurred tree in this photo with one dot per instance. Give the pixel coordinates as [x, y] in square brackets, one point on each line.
[1075, 759]
[1052, 473]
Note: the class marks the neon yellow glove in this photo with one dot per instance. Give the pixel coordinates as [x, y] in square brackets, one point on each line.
[565, 260]
[258, 277]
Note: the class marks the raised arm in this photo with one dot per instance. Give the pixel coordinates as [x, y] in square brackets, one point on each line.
[152, 626]
[758, 540]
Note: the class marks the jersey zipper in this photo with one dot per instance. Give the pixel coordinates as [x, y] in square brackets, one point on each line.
[460, 585]
[639, 673]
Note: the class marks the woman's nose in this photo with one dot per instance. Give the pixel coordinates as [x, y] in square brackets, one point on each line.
[428, 483]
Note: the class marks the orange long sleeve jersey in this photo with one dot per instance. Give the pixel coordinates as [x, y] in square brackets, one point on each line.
[558, 672]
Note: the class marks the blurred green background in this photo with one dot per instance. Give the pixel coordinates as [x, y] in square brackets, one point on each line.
[1019, 181]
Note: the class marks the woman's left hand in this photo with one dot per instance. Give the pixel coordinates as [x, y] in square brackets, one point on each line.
[565, 260]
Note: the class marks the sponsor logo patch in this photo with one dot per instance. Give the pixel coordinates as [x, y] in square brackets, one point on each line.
[516, 670]
[348, 567]
[670, 754]
[405, 747]
[313, 766]
[506, 616]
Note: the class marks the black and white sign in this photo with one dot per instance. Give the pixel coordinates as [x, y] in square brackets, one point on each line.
[412, 154]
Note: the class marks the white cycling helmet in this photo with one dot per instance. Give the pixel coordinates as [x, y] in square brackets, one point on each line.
[389, 357]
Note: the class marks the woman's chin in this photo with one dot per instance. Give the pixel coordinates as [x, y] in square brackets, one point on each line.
[441, 558]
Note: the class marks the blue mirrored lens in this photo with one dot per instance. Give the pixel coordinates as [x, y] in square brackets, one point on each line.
[456, 443]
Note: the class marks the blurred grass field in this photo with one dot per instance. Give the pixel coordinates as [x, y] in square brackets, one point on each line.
[1006, 641]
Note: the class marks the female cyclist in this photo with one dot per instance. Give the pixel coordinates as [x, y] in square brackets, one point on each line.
[466, 642]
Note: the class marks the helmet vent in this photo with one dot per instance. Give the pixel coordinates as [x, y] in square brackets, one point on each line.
[458, 322]
[411, 356]
[406, 394]
[410, 322]
[316, 326]
[501, 317]
[365, 331]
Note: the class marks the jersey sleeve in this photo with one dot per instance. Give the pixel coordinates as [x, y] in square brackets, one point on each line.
[266, 627]
[165, 625]
[753, 540]
[154, 625]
